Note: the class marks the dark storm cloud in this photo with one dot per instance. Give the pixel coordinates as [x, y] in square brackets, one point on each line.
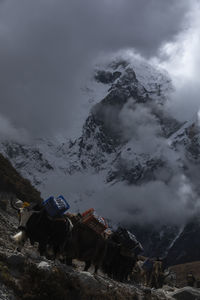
[47, 48]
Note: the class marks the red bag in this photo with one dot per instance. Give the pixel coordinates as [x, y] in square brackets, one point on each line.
[95, 222]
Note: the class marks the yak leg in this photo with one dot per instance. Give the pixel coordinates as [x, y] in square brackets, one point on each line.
[20, 239]
[99, 256]
[96, 269]
[149, 278]
[87, 265]
[56, 250]
[144, 276]
[69, 261]
[42, 248]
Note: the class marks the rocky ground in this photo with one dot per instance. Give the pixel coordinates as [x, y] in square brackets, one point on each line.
[27, 276]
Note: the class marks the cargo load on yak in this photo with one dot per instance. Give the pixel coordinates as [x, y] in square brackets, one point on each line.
[95, 222]
[128, 240]
[56, 207]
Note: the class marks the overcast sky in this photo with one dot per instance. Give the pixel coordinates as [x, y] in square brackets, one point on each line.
[47, 48]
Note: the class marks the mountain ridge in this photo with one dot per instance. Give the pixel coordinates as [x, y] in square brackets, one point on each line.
[127, 138]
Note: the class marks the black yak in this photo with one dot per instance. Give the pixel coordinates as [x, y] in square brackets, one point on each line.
[85, 245]
[37, 226]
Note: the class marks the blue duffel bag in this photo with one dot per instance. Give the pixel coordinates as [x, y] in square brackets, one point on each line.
[56, 207]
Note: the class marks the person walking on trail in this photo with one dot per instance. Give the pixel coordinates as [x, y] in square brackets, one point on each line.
[191, 279]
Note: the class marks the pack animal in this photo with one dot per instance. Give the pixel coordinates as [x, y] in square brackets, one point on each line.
[37, 226]
[121, 254]
[85, 245]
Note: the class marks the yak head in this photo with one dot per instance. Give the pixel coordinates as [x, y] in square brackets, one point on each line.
[24, 211]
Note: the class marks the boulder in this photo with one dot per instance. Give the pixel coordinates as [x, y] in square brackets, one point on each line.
[186, 293]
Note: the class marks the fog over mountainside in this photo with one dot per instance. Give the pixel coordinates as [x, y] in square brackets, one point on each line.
[100, 103]
[134, 162]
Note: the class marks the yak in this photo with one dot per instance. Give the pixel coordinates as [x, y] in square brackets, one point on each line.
[116, 255]
[121, 254]
[85, 245]
[37, 226]
[112, 255]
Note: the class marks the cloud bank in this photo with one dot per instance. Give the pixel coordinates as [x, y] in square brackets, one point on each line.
[152, 203]
[181, 58]
[48, 47]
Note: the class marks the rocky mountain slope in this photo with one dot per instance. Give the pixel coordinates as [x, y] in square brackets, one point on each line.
[128, 139]
[27, 276]
[12, 181]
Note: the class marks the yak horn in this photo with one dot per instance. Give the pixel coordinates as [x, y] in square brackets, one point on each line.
[16, 204]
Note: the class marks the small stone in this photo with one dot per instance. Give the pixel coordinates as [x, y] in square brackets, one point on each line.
[43, 265]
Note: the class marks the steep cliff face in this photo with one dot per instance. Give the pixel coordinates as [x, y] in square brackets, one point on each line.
[112, 133]
[186, 247]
